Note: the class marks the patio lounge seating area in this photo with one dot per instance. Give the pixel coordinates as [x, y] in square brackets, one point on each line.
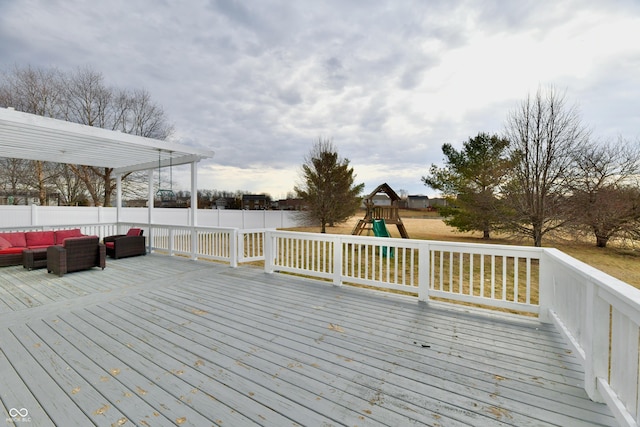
[170, 341]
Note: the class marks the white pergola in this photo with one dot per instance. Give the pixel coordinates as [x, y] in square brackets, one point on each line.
[32, 137]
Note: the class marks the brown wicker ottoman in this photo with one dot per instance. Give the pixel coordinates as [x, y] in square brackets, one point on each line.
[34, 258]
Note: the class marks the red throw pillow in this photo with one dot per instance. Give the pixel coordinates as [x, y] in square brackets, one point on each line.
[4, 243]
[16, 238]
[134, 232]
[40, 238]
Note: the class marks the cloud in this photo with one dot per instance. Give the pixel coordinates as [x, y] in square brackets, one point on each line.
[259, 82]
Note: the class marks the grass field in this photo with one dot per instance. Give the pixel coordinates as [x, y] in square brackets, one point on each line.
[617, 260]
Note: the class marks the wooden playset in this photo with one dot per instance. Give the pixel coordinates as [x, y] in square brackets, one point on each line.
[389, 214]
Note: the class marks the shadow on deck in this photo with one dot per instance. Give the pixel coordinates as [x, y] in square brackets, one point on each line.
[167, 341]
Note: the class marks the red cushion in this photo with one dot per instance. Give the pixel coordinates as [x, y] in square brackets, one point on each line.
[4, 243]
[64, 234]
[40, 238]
[16, 238]
[134, 232]
[12, 250]
[109, 245]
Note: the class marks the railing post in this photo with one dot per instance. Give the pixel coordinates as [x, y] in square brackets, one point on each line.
[269, 251]
[170, 241]
[240, 237]
[424, 273]
[150, 237]
[235, 247]
[337, 261]
[546, 286]
[596, 342]
[194, 243]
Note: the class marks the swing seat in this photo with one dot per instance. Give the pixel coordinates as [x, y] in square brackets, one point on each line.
[165, 199]
[165, 195]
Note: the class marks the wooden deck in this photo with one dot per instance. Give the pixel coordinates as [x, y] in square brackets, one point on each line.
[159, 341]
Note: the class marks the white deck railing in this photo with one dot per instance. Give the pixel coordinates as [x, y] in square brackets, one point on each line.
[598, 314]
[491, 275]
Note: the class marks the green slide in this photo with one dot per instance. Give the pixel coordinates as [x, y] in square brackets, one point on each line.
[380, 230]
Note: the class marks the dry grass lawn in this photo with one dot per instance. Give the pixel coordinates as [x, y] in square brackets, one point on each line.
[617, 260]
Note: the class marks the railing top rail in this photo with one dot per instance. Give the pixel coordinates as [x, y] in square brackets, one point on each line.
[255, 230]
[163, 225]
[435, 244]
[313, 236]
[605, 282]
[348, 238]
[487, 246]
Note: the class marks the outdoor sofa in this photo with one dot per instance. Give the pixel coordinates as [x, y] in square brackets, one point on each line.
[12, 244]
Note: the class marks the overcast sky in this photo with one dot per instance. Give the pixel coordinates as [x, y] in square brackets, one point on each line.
[389, 81]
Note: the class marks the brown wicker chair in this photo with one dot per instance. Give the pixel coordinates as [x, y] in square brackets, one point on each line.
[125, 245]
[76, 253]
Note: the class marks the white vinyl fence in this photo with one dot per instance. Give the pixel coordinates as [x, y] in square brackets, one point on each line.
[33, 216]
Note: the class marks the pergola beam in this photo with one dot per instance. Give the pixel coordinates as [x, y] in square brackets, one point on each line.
[32, 137]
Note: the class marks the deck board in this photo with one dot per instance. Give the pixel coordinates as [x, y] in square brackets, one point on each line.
[167, 341]
[390, 345]
[389, 355]
[275, 365]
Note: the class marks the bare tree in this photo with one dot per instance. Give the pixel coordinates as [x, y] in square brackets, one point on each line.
[14, 173]
[89, 102]
[81, 97]
[70, 189]
[139, 115]
[92, 103]
[88, 99]
[605, 196]
[35, 91]
[543, 133]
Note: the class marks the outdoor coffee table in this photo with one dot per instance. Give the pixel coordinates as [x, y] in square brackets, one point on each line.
[34, 258]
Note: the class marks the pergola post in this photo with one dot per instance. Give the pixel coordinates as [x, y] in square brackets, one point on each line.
[194, 210]
[118, 199]
[150, 210]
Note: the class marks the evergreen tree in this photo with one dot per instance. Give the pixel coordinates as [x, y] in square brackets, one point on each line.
[471, 180]
[328, 189]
